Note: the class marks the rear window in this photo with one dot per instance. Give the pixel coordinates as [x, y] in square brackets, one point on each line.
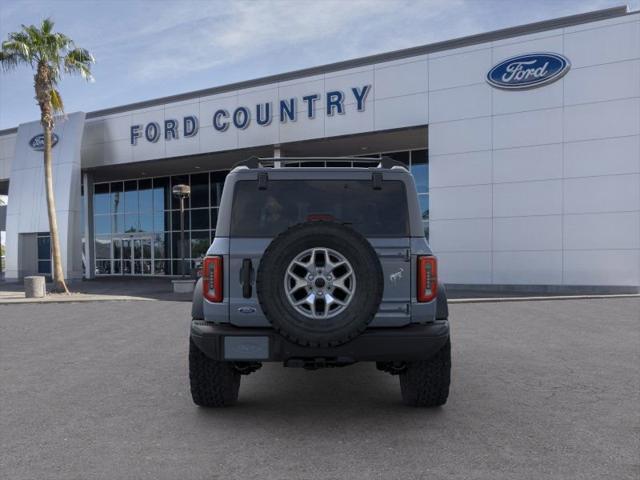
[266, 213]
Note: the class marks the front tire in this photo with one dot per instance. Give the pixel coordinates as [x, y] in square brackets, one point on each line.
[213, 383]
[426, 383]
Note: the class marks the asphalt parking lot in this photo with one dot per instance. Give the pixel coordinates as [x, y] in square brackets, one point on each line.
[545, 389]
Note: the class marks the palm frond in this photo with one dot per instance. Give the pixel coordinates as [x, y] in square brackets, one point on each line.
[19, 46]
[9, 61]
[56, 101]
[47, 26]
[79, 61]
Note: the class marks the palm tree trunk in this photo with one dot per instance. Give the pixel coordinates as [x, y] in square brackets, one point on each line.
[59, 284]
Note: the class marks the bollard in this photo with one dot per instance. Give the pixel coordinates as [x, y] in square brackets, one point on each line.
[34, 287]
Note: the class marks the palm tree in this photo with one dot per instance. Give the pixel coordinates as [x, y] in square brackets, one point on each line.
[50, 55]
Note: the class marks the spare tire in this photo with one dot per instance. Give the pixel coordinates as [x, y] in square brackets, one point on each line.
[320, 283]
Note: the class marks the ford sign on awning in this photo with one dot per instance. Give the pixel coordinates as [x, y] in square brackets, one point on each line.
[528, 71]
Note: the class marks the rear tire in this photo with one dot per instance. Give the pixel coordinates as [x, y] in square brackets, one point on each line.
[213, 383]
[426, 383]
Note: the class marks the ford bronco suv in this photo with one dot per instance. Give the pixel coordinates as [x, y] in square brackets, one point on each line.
[319, 267]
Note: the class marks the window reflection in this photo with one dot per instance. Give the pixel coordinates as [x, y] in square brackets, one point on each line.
[199, 244]
[131, 203]
[200, 190]
[101, 198]
[145, 195]
[424, 206]
[161, 194]
[117, 197]
[146, 222]
[102, 224]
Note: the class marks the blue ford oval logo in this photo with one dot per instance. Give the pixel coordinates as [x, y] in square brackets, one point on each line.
[37, 142]
[247, 310]
[528, 71]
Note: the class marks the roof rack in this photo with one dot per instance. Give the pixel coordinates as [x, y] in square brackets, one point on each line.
[257, 162]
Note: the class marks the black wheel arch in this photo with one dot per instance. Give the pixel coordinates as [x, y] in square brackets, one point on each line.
[442, 305]
[197, 311]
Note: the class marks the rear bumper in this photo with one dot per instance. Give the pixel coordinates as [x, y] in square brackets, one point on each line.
[410, 343]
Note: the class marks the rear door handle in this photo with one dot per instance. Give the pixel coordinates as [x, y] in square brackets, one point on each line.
[245, 277]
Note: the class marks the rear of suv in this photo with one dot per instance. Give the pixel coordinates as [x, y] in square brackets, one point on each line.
[319, 267]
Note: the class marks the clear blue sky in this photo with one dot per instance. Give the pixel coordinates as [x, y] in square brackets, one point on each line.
[149, 49]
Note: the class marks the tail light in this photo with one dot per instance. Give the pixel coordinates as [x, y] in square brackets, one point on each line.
[212, 279]
[427, 278]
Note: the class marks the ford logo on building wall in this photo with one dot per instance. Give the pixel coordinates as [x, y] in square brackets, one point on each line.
[528, 71]
[37, 142]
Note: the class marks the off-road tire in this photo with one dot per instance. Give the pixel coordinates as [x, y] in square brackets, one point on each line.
[213, 383]
[342, 327]
[426, 383]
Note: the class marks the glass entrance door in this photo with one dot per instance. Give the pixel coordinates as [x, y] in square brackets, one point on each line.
[132, 256]
[142, 261]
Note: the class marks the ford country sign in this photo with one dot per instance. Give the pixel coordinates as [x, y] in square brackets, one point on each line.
[37, 142]
[284, 110]
[528, 71]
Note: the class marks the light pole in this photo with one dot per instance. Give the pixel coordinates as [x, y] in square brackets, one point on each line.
[182, 192]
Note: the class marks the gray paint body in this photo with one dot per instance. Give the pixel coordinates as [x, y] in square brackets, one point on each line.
[398, 306]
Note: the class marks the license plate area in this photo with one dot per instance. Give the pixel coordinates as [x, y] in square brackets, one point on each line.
[245, 347]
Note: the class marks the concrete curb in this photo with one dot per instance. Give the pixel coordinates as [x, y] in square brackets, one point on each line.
[125, 298]
[75, 299]
[540, 299]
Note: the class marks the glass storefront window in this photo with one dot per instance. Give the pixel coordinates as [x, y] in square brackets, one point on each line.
[162, 267]
[117, 248]
[131, 203]
[214, 218]
[101, 199]
[117, 199]
[179, 180]
[146, 222]
[175, 220]
[44, 247]
[117, 223]
[103, 267]
[424, 206]
[145, 195]
[145, 209]
[200, 190]
[160, 245]
[103, 247]
[420, 170]
[161, 221]
[161, 194]
[200, 219]
[131, 223]
[402, 157]
[175, 245]
[199, 244]
[102, 224]
[217, 182]
[44, 266]
[44, 253]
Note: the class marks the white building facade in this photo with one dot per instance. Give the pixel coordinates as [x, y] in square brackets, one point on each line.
[528, 171]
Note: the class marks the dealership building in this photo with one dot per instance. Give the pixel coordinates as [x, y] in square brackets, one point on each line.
[524, 144]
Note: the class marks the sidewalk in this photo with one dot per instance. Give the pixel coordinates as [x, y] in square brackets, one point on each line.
[103, 289]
